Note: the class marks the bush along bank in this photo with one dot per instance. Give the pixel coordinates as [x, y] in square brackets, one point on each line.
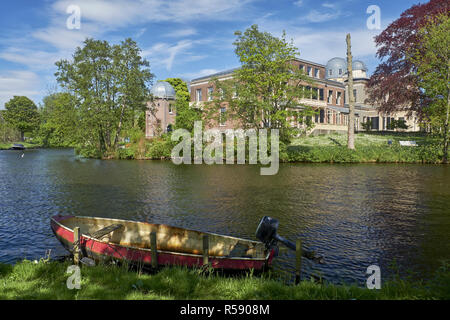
[160, 148]
[364, 154]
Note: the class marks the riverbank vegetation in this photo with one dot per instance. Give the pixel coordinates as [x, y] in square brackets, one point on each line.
[47, 280]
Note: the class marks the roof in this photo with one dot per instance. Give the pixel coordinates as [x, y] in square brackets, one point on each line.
[218, 74]
[163, 90]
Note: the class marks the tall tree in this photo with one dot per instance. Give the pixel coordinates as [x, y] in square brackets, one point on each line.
[22, 114]
[351, 115]
[433, 70]
[59, 120]
[110, 83]
[394, 85]
[266, 90]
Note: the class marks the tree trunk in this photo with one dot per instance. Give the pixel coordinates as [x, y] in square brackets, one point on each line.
[445, 159]
[22, 136]
[351, 115]
[116, 139]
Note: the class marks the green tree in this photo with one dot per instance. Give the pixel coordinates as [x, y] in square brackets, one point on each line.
[265, 91]
[110, 83]
[59, 120]
[185, 114]
[433, 70]
[22, 114]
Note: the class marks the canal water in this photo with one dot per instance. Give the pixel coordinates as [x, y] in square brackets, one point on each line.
[355, 215]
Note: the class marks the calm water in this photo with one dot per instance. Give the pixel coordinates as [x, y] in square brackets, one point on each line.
[355, 215]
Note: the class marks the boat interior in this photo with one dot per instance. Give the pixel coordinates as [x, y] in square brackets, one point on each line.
[168, 238]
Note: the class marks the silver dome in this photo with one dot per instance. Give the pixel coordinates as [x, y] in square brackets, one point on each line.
[359, 65]
[336, 68]
[163, 90]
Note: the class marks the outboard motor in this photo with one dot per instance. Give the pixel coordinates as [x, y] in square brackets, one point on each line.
[267, 234]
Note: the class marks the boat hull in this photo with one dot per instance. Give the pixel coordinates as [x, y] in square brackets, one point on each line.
[106, 250]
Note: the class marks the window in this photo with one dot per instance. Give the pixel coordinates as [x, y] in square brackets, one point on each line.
[198, 95]
[329, 116]
[301, 67]
[170, 108]
[309, 71]
[330, 96]
[338, 118]
[316, 73]
[308, 93]
[338, 98]
[222, 118]
[354, 94]
[330, 72]
[340, 71]
[321, 97]
[210, 93]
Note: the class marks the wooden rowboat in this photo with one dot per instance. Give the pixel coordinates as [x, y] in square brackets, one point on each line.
[102, 238]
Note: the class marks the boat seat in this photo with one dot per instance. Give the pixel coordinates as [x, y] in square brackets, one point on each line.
[104, 231]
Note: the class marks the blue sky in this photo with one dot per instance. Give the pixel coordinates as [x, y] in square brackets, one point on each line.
[180, 38]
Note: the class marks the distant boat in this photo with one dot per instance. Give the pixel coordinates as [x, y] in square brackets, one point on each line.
[17, 146]
[102, 238]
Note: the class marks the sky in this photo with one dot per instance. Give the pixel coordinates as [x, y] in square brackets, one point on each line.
[180, 38]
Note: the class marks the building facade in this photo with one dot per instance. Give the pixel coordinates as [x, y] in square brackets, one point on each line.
[330, 100]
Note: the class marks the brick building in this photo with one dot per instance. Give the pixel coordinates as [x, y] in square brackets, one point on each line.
[330, 100]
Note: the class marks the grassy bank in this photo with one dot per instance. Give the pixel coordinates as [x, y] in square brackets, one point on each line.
[47, 280]
[7, 145]
[368, 148]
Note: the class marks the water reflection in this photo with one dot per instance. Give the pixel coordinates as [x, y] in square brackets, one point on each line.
[356, 215]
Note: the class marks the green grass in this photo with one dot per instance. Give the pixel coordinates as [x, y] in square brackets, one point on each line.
[363, 139]
[332, 148]
[47, 280]
[7, 145]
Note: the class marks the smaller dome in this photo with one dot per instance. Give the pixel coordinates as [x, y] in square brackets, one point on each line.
[163, 90]
[336, 68]
[359, 65]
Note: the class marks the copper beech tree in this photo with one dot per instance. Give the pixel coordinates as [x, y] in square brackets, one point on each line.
[395, 85]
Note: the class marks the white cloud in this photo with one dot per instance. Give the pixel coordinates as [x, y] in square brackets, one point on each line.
[317, 16]
[200, 73]
[182, 33]
[298, 3]
[18, 83]
[120, 13]
[320, 46]
[166, 53]
[33, 59]
[329, 5]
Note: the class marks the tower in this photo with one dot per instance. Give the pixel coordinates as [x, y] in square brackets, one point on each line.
[160, 115]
